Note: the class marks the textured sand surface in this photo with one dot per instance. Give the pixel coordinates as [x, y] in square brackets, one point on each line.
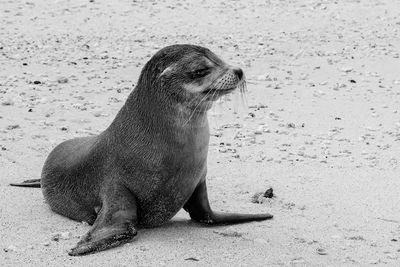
[322, 127]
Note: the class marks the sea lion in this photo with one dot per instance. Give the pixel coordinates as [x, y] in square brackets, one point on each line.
[152, 160]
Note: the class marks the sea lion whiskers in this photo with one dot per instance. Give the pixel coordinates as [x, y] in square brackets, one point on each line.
[243, 89]
[219, 86]
[198, 104]
[242, 104]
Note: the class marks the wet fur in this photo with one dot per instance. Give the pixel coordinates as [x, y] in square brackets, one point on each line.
[151, 160]
[145, 146]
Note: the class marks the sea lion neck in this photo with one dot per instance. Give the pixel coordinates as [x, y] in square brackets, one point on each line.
[166, 107]
[155, 116]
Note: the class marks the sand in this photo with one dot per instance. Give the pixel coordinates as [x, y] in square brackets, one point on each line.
[322, 127]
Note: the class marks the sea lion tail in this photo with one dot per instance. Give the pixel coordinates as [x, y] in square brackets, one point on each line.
[28, 183]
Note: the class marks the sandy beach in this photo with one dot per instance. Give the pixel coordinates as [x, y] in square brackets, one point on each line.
[321, 126]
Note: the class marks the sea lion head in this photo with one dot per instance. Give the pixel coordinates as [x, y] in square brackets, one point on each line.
[191, 75]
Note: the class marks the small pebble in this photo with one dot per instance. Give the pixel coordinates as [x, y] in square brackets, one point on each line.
[61, 236]
[10, 248]
[291, 125]
[62, 79]
[8, 102]
[321, 251]
[97, 113]
[269, 193]
[191, 259]
[347, 69]
[12, 127]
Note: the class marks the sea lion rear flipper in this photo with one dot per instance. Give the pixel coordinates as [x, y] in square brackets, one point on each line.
[115, 223]
[199, 209]
[28, 183]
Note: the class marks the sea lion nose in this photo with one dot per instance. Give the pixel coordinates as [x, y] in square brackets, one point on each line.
[238, 72]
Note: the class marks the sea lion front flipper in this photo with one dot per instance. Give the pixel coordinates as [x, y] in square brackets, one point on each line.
[199, 209]
[115, 223]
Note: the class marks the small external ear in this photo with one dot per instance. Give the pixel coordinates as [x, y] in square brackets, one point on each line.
[167, 71]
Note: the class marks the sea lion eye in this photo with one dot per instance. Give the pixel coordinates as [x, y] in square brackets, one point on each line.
[200, 73]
